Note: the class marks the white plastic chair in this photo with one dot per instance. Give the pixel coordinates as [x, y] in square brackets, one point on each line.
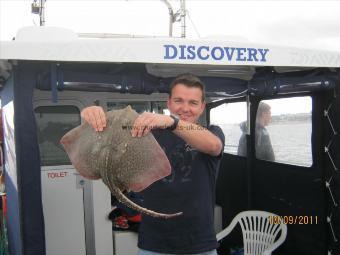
[259, 231]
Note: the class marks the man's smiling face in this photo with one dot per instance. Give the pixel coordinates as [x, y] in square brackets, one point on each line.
[186, 102]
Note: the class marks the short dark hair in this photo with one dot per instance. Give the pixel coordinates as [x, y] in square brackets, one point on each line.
[263, 107]
[188, 80]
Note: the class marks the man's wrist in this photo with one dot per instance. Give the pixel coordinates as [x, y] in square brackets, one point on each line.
[174, 125]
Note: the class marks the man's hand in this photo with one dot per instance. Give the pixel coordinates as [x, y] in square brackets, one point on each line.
[95, 116]
[147, 121]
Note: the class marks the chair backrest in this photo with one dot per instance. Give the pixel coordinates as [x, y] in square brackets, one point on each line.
[260, 230]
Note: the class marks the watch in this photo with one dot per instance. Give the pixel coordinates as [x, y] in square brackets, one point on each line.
[174, 125]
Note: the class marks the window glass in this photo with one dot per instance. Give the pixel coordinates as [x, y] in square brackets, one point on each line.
[150, 106]
[231, 117]
[160, 107]
[52, 123]
[139, 107]
[283, 130]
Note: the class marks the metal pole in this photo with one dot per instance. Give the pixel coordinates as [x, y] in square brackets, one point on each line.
[249, 154]
[248, 114]
[171, 14]
[42, 12]
[183, 13]
[171, 22]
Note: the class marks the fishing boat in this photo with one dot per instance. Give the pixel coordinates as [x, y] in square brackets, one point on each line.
[48, 75]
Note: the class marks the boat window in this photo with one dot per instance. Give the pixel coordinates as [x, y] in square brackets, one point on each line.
[231, 117]
[283, 131]
[53, 122]
[160, 107]
[140, 107]
[149, 106]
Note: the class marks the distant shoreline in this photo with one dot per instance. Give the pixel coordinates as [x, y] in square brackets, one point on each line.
[289, 118]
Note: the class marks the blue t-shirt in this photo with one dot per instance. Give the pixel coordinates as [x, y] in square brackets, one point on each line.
[189, 189]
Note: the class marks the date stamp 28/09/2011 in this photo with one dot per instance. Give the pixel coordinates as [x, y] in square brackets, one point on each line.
[293, 219]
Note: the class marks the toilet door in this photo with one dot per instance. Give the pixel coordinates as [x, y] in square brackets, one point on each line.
[62, 188]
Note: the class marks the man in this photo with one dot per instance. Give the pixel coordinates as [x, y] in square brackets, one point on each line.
[194, 153]
[263, 145]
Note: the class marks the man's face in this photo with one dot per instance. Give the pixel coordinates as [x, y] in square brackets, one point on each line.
[266, 117]
[186, 102]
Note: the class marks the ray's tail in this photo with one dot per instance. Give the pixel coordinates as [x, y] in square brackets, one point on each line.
[123, 199]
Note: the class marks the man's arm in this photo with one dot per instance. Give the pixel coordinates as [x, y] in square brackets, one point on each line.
[197, 136]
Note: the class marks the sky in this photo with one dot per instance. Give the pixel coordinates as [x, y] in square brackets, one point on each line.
[279, 22]
[237, 112]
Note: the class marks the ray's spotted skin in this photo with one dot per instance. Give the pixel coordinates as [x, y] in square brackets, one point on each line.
[122, 161]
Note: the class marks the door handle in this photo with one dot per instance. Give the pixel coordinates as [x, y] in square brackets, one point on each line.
[80, 181]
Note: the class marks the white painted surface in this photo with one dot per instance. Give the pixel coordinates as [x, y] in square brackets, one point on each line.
[102, 225]
[152, 50]
[63, 212]
[125, 242]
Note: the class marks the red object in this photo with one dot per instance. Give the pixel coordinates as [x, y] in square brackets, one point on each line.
[121, 222]
[136, 218]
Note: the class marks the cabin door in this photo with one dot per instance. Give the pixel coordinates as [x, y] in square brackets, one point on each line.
[231, 190]
[279, 173]
[62, 187]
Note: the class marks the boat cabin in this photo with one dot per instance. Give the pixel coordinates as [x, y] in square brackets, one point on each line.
[48, 75]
